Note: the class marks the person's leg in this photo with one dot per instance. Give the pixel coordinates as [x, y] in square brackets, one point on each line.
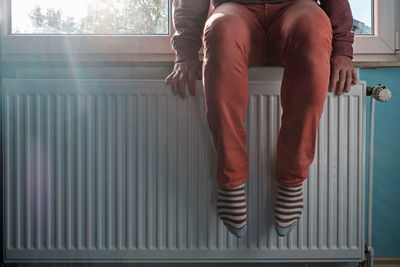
[234, 39]
[301, 34]
[299, 39]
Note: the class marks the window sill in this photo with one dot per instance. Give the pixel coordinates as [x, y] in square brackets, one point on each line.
[360, 60]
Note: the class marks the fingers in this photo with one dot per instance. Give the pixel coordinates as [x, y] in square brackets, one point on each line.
[169, 78]
[200, 72]
[182, 84]
[342, 80]
[346, 80]
[354, 76]
[192, 83]
[184, 75]
[343, 74]
[347, 84]
[175, 82]
[334, 78]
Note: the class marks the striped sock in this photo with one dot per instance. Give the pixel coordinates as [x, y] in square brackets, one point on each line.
[288, 207]
[232, 209]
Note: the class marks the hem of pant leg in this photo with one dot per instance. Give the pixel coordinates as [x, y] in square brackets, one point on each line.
[293, 182]
[237, 181]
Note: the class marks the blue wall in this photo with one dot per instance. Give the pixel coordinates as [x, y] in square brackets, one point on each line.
[386, 169]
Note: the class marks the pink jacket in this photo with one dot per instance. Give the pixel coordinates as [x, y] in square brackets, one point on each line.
[189, 17]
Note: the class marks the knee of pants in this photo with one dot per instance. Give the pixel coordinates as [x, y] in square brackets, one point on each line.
[309, 59]
[225, 35]
[311, 37]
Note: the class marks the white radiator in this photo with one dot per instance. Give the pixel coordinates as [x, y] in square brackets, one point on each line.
[124, 171]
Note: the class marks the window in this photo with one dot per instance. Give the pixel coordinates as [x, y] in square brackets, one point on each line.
[362, 16]
[86, 30]
[122, 30]
[123, 17]
[376, 41]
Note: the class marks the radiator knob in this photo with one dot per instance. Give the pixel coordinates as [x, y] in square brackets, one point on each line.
[381, 93]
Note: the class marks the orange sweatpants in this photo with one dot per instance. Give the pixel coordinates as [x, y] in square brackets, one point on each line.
[296, 35]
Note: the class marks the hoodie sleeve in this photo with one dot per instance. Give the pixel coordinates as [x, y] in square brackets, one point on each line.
[188, 17]
[339, 12]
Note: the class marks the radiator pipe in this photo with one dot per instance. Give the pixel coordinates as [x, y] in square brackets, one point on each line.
[383, 94]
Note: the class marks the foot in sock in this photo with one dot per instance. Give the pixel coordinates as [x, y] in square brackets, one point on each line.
[288, 207]
[232, 209]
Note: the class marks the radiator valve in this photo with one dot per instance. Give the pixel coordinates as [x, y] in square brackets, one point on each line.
[379, 92]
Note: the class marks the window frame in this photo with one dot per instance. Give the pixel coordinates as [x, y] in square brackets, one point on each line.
[382, 43]
[118, 46]
[380, 46]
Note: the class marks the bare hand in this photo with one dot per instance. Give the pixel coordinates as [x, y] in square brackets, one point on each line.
[342, 69]
[184, 72]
